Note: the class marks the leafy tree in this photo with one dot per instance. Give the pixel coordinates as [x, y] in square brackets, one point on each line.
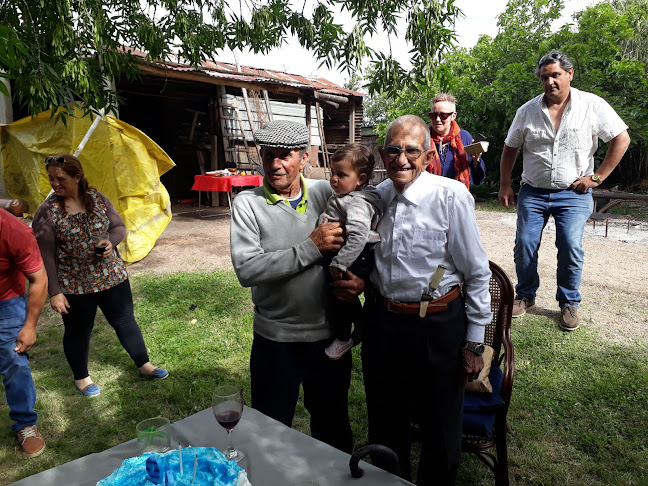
[58, 52]
[636, 46]
[604, 67]
[496, 77]
[375, 105]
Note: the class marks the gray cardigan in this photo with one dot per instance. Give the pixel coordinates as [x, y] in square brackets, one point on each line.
[359, 211]
[273, 254]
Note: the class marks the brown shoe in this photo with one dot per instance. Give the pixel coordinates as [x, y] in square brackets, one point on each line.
[31, 441]
[569, 318]
[520, 306]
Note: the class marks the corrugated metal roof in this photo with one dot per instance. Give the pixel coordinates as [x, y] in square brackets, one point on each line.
[224, 70]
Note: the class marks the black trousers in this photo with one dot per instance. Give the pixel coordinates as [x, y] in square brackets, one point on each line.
[116, 303]
[413, 366]
[341, 315]
[278, 369]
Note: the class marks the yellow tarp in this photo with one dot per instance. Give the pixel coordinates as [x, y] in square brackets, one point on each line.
[119, 160]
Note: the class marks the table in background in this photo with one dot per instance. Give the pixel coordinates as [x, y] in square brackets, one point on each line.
[610, 199]
[224, 184]
[275, 455]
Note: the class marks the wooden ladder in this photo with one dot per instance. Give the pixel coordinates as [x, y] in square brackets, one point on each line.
[231, 148]
[246, 101]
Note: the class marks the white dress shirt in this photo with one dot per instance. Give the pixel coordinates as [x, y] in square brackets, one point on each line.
[432, 223]
[554, 160]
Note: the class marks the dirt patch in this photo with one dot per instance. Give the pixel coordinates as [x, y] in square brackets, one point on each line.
[615, 277]
[194, 241]
[615, 274]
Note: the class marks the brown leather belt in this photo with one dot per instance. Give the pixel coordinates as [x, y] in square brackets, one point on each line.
[436, 305]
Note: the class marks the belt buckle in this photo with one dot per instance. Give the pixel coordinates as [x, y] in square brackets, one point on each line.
[389, 305]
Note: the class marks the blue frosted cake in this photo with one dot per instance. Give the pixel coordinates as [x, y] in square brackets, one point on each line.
[212, 469]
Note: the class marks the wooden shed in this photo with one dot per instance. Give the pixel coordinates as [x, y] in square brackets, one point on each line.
[204, 118]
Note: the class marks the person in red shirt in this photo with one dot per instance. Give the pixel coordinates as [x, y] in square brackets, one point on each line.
[20, 261]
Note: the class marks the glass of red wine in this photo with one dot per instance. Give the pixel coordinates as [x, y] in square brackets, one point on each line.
[227, 405]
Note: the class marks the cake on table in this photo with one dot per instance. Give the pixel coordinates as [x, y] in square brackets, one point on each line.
[212, 469]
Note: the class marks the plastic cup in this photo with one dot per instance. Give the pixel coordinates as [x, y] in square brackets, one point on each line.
[153, 435]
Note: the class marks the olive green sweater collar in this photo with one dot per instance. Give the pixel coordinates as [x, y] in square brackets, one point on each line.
[273, 198]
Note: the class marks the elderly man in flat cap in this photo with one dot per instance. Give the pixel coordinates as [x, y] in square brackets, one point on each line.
[276, 248]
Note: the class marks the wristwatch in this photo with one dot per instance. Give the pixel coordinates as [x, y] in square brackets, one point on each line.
[477, 348]
[597, 178]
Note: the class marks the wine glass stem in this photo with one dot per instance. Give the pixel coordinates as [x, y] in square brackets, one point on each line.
[230, 445]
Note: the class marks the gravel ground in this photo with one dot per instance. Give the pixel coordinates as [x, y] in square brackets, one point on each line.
[615, 275]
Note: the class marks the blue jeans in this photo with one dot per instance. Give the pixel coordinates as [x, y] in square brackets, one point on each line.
[570, 210]
[14, 367]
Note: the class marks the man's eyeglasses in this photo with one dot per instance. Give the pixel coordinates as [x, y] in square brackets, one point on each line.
[410, 153]
[55, 160]
[441, 114]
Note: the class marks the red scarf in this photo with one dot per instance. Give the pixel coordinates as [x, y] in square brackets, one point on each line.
[461, 165]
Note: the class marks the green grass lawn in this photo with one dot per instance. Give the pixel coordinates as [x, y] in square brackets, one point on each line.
[579, 414]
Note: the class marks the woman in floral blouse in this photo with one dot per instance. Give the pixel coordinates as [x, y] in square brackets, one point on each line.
[77, 229]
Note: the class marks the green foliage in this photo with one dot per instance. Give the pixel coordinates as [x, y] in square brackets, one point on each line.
[578, 413]
[375, 105]
[573, 402]
[59, 52]
[493, 79]
[375, 108]
[636, 46]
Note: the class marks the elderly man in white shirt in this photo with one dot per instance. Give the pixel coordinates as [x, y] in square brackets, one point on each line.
[559, 130]
[413, 363]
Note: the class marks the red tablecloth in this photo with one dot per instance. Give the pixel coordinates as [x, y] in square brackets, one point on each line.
[225, 183]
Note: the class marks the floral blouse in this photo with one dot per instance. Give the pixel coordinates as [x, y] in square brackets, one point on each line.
[80, 270]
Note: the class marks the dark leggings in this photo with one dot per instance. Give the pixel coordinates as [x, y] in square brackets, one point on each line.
[341, 315]
[116, 303]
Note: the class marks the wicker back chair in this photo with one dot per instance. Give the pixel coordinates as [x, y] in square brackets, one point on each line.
[498, 336]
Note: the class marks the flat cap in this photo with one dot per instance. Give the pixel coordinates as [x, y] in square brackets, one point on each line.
[284, 134]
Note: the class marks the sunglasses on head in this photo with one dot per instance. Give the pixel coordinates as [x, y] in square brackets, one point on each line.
[56, 160]
[441, 114]
[550, 58]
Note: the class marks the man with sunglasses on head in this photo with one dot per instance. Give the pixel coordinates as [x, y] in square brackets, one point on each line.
[559, 130]
[424, 338]
[449, 159]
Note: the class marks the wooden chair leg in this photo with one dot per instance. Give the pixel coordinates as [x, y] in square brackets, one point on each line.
[501, 466]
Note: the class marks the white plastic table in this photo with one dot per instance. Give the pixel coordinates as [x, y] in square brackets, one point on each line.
[276, 455]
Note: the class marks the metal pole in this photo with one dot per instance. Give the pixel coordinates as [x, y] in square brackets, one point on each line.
[89, 133]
